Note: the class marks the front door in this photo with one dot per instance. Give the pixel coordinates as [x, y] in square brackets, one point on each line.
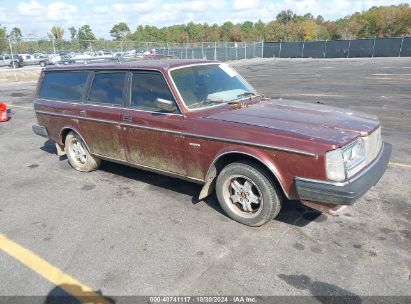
[101, 113]
[151, 135]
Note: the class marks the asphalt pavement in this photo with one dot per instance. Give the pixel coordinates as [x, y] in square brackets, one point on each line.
[122, 231]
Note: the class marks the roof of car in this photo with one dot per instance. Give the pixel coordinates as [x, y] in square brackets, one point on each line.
[138, 64]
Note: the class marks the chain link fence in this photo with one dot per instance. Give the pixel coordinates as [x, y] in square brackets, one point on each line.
[374, 47]
[222, 51]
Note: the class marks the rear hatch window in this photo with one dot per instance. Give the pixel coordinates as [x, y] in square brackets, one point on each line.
[68, 86]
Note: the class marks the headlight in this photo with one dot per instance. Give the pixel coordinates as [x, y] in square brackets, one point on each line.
[349, 160]
[353, 155]
[334, 164]
[345, 162]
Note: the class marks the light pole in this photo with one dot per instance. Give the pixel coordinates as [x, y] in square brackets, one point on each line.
[11, 51]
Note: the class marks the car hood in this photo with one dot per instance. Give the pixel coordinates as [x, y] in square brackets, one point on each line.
[313, 121]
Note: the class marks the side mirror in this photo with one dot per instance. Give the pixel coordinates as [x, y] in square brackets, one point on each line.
[166, 105]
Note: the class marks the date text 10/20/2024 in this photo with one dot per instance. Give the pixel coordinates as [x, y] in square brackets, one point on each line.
[201, 299]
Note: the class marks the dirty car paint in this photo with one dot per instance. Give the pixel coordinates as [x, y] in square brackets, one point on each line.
[327, 124]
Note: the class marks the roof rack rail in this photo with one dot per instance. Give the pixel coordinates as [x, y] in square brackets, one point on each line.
[119, 59]
[98, 60]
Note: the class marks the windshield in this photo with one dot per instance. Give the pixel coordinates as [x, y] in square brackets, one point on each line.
[203, 86]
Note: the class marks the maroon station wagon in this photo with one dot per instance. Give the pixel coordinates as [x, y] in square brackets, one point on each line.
[201, 121]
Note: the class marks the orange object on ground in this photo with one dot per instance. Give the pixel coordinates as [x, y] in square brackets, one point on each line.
[3, 112]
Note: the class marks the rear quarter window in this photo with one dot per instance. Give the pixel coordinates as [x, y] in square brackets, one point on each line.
[67, 86]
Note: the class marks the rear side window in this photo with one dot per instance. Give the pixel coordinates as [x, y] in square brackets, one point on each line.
[63, 85]
[107, 88]
[146, 87]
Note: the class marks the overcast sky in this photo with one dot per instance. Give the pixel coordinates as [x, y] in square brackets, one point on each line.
[35, 17]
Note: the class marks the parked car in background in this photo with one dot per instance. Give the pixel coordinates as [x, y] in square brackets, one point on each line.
[62, 59]
[8, 60]
[34, 59]
[202, 122]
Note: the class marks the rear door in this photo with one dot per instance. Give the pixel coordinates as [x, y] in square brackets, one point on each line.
[101, 112]
[151, 136]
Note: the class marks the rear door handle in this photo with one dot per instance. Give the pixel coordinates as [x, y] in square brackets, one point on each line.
[127, 118]
[83, 113]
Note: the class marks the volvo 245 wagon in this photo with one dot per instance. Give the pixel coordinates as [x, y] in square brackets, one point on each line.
[201, 121]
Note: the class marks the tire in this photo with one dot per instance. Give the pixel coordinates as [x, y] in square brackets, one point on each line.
[16, 64]
[43, 64]
[247, 194]
[78, 155]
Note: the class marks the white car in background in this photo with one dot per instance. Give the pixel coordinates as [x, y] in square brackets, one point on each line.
[35, 59]
[7, 60]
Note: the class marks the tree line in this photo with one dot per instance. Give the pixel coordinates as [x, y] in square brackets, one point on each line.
[383, 21]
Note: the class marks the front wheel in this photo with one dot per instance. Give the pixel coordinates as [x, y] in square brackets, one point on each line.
[247, 194]
[43, 64]
[78, 155]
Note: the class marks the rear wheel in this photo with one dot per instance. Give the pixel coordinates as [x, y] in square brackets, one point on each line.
[78, 155]
[247, 195]
[14, 64]
[43, 64]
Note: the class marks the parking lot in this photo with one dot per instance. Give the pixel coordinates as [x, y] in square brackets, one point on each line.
[121, 231]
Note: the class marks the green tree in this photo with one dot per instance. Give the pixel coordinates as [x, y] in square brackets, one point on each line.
[349, 27]
[286, 16]
[225, 30]
[73, 32]
[15, 34]
[85, 33]
[247, 29]
[384, 21]
[85, 36]
[3, 40]
[259, 29]
[56, 32]
[319, 20]
[196, 32]
[120, 31]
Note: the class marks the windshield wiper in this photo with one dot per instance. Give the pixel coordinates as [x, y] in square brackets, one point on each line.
[207, 101]
[246, 94]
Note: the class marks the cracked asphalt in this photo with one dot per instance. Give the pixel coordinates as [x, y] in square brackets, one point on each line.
[123, 231]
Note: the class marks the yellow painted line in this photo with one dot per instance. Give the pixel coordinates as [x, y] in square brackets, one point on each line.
[400, 165]
[51, 273]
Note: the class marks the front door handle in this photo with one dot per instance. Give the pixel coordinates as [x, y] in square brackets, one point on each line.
[127, 118]
[83, 113]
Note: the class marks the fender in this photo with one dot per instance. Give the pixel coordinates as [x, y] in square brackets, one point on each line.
[256, 154]
[69, 127]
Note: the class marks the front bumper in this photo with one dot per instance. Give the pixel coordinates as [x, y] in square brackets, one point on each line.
[40, 130]
[345, 193]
